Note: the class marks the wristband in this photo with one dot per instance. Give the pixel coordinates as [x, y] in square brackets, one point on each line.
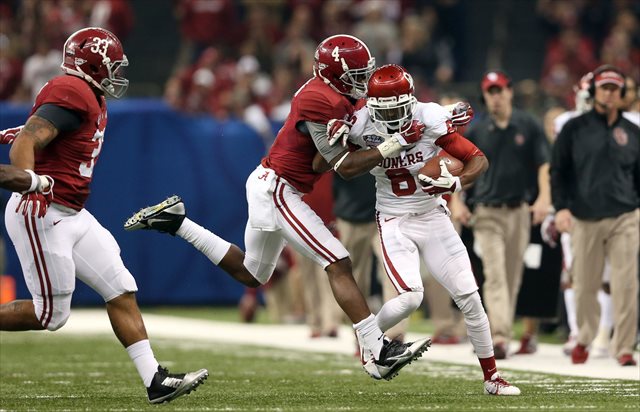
[34, 181]
[43, 183]
[390, 147]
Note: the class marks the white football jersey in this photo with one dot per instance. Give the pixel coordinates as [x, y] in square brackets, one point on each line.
[398, 191]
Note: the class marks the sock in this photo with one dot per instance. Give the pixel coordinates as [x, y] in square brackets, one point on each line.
[488, 366]
[211, 245]
[570, 305]
[146, 363]
[370, 335]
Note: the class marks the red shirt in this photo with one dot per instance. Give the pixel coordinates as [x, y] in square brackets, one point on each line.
[292, 153]
[70, 157]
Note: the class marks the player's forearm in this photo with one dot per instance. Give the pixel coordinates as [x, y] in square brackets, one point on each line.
[14, 179]
[358, 163]
[473, 168]
[544, 186]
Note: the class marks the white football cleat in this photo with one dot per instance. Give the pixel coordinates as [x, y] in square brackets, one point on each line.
[498, 386]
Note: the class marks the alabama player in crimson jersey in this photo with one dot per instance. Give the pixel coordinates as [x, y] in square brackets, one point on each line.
[277, 214]
[413, 220]
[56, 239]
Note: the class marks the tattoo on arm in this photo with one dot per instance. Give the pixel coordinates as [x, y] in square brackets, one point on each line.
[40, 130]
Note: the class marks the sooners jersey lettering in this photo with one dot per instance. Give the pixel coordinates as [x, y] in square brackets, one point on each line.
[397, 189]
[70, 158]
[292, 153]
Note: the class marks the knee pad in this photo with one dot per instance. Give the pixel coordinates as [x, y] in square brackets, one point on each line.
[59, 315]
[262, 271]
[471, 306]
[411, 300]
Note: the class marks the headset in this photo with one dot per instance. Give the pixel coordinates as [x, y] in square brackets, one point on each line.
[602, 69]
[502, 72]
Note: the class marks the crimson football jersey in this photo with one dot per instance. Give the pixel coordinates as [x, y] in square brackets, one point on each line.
[70, 157]
[292, 153]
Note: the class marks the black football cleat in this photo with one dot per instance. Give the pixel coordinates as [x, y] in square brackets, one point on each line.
[396, 355]
[166, 386]
[165, 217]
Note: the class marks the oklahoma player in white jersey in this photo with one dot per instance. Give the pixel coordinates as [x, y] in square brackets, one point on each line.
[412, 218]
[277, 214]
[56, 239]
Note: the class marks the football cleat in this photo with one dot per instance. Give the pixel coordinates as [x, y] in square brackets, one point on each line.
[579, 354]
[528, 345]
[394, 356]
[165, 217]
[498, 386]
[166, 386]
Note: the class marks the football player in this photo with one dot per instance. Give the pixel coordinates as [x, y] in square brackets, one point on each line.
[56, 239]
[277, 214]
[412, 217]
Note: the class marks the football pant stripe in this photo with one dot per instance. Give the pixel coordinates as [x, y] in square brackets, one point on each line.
[41, 268]
[391, 270]
[300, 229]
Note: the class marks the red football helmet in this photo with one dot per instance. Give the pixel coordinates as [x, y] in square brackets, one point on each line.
[96, 55]
[390, 101]
[344, 63]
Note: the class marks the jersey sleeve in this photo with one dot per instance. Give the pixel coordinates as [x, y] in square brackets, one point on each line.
[356, 135]
[316, 108]
[436, 119]
[66, 96]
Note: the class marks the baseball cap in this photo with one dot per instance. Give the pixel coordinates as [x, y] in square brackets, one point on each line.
[497, 78]
[609, 77]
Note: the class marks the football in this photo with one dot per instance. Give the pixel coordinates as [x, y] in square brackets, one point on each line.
[432, 167]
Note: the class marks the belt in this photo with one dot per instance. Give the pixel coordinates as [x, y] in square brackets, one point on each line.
[502, 205]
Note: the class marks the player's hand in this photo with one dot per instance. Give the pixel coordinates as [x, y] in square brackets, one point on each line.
[36, 203]
[461, 113]
[338, 130]
[7, 136]
[414, 133]
[445, 184]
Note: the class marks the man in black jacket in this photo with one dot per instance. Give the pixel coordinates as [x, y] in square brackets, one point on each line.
[595, 179]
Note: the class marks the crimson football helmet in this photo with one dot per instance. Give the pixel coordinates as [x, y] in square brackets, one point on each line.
[390, 100]
[344, 63]
[96, 55]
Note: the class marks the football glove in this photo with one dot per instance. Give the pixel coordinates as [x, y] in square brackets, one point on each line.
[7, 136]
[338, 130]
[35, 203]
[461, 113]
[445, 184]
[414, 133]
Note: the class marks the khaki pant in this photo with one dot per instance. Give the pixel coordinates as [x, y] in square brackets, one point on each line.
[361, 239]
[501, 236]
[615, 239]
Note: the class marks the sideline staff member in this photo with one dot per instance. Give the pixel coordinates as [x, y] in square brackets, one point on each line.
[518, 153]
[595, 176]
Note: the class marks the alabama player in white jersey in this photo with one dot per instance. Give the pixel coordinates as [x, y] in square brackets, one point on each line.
[56, 239]
[413, 221]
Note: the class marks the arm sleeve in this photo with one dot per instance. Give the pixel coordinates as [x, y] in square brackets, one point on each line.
[560, 169]
[318, 133]
[458, 146]
[65, 120]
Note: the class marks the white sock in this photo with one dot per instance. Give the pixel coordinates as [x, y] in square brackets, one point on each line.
[606, 314]
[477, 322]
[397, 309]
[146, 363]
[211, 245]
[570, 305]
[370, 335]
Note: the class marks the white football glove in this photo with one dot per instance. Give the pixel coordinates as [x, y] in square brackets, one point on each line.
[338, 130]
[7, 136]
[445, 184]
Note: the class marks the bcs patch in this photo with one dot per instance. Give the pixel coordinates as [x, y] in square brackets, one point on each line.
[519, 139]
[373, 140]
[620, 135]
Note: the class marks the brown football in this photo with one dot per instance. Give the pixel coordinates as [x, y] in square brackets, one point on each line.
[432, 167]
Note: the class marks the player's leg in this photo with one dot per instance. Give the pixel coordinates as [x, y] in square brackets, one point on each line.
[447, 260]
[306, 232]
[45, 257]
[401, 260]
[99, 265]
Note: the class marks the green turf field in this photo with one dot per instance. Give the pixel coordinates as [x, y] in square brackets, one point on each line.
[44, 371]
